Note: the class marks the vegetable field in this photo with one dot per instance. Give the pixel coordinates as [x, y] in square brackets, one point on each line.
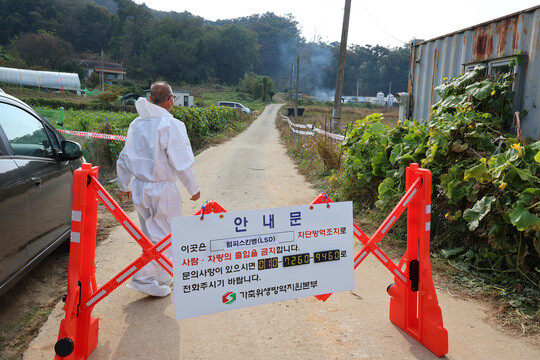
[202, 124]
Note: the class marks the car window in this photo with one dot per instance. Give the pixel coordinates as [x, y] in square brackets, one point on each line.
[54, 140]
[25, 133]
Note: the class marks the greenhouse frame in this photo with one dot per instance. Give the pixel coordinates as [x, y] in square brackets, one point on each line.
[41, 79]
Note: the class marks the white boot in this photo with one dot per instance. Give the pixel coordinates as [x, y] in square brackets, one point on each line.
[163, 278]
[151, 288]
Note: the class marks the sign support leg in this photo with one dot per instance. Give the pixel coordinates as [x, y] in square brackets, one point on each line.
[78, 334]
[414, 306]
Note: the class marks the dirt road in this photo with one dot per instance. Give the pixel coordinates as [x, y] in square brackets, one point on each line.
[253, 171]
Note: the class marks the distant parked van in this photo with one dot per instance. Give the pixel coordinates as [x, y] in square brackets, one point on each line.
[235, 105]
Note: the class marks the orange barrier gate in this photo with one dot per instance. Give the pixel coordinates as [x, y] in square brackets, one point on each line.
[413, 303]
[78, 335]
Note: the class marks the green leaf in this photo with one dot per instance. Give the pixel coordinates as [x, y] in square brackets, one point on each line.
[527, 196]
[450, 253]
[498, 262]
[457, 147]
[523, 219]
[396, 151]
[497, 164]
[377, 128]
[537, 157]
[525, 174]
[377, 161]
[478, 211]
[479, 173]
[480, 90]
[387, 185]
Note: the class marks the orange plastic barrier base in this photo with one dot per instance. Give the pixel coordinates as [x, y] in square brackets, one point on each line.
[413, 304]
[415, 308]
[78, 335]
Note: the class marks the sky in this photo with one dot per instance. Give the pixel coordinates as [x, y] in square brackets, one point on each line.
[389, 22]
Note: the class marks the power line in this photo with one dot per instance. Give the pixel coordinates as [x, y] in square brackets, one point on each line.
[379, 26]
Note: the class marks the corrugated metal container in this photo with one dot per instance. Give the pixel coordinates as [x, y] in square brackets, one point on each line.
[494, 42]
[45, 79]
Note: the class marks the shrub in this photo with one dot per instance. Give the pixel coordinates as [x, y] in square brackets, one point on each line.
[328, 152]
[201, 122]
[486, 185]
[260, 87]
[93, 79]
[108, 97]
[56, 104]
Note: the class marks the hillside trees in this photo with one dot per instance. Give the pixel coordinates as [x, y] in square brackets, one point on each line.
[233, 51]
[279, 41]
[133, 26]
[185, 48]
[373, 67]
[43, 50]
[21, 16]
[173, 49]
[95, 28]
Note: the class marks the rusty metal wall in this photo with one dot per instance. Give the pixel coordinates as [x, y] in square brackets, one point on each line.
[446, 56]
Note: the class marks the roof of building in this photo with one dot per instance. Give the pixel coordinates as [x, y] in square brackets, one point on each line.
[516, 14]
[96, 64]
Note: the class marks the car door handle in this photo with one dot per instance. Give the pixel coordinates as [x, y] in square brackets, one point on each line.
[37, 182]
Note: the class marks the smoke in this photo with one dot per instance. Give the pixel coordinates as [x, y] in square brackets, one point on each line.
[315, 62]
[323, 94]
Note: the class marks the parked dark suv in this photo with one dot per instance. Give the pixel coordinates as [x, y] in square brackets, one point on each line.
[36, 171]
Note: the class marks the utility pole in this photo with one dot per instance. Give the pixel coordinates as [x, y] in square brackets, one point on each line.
[297, 80]
[336, 113]
[102, 77]
[290, 84]
[357, 83]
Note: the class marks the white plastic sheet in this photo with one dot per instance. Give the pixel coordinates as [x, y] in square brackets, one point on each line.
[40, 79]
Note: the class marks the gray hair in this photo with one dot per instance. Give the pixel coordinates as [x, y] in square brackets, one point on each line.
[160, 92]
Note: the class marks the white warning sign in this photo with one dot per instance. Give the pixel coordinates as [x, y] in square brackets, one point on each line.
[237, 259]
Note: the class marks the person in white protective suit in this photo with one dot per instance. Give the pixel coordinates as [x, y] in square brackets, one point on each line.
[157, 154]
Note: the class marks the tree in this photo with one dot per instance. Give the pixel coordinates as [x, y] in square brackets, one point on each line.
[395, 68]
[93, 79]
[233, 51]
[260, 87]
[279, 39]
[96, 28]
[134, 26]
[71, 67]
[185, 48]
[43, 49]
[177, 49]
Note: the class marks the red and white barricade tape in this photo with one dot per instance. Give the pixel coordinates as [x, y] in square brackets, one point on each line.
[94, 135]
[310, 133]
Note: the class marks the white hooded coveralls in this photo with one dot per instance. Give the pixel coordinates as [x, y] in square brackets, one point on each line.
[157, 153]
